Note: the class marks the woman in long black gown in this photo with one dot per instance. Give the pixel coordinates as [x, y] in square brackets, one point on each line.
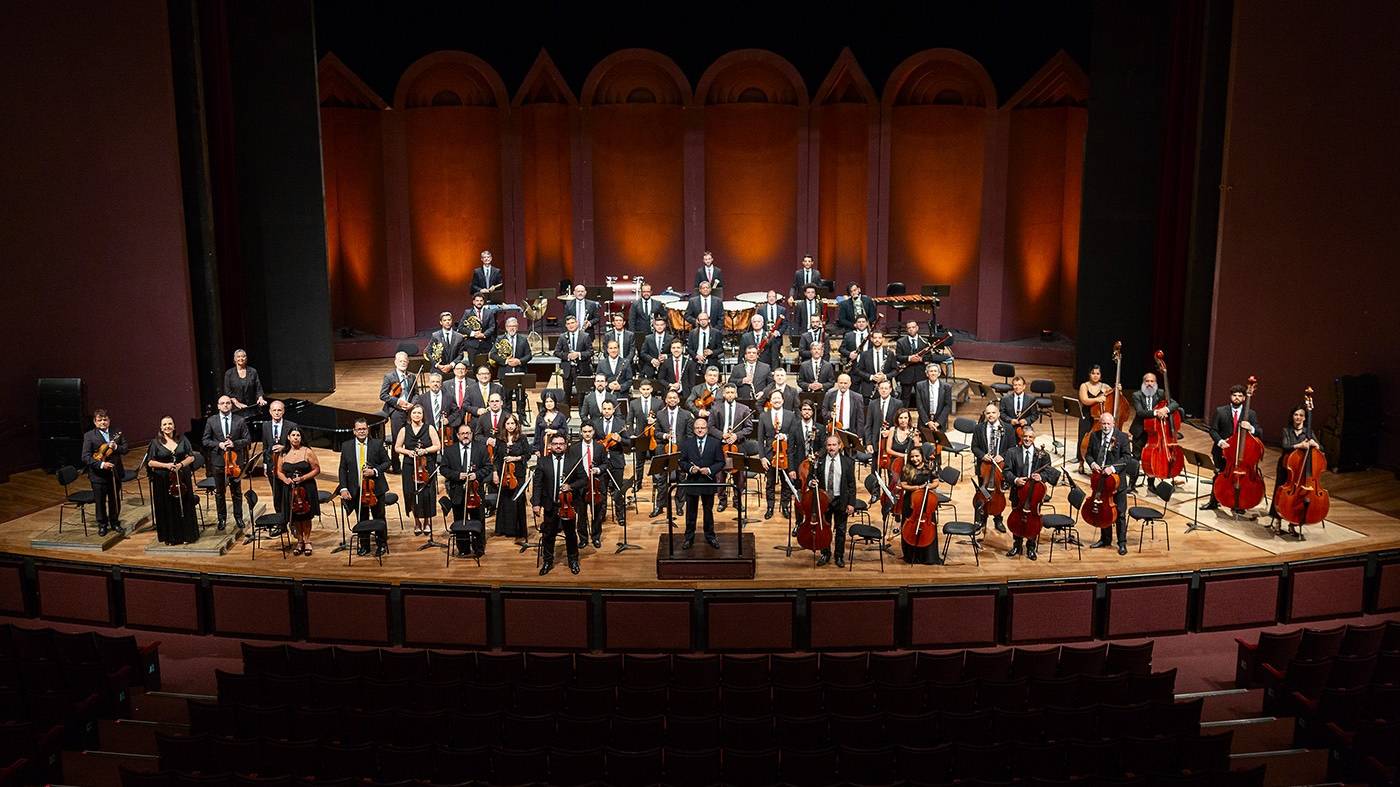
[297, 470]
[512, 447]
[174, 513]
[417, 438]
[917, 472]
[551, 419]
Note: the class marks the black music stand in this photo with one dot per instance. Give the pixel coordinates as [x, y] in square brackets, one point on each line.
[668, 464]
[1201, 459]
[741, 465]
[792, 511]
[493, 297]
[938, 292]
[513, 383]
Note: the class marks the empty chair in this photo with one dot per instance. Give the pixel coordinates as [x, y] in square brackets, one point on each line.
[940, 667]
[339, 761]
[745, 732]
[1102, 688]
[925, 764]
[646, 670]
[910, 729]
[968, 726]
[471, 729]
[750, 768]
[1044, 692]
[642, 701]
[850, 700]
[1320, 643]
[1150, 755]
[901, 697]
[400, 762]
[1035, 662]
[1154, 687]
[695, 670]
[1133, 659]
[692, 733]
[692, 767]
[234, 688]
[312, 661]
[1004, 694]
[581, 732]
[744, 670]
[1019, 726]
[190, 753]
[1087, 759]
[450, 666]
[532, 728]
[797, 700]
[1362, 640]
[1177, 718]
[1272, 648]
[809, 768]
[264, 659]
[460, 765]
[1342, 707]
[569, 768]
[497, 667]
[631, 768]
[987, 665]
[746, 702]
[1350, 671]
[597, 670]
[529, 699]
[1207, 753]
[1305, 677]
[843, 669]
[794, 669]
[956, 696]
[1039, 763]
[519, 766]
[1083, 660]
[1066, 723]
[801, 733]
[353, 662]
[408, 665]
[981, 761]
[589, 701]
[860, 731]
[289, 758]
[893, 666]
[383, 694]
[637, 733]
[1128, 719]
[702, 701]
[548, 669]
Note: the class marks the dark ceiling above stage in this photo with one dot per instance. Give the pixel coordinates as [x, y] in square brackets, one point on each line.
[379, 40]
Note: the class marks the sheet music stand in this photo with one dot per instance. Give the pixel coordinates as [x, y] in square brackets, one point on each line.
[1201, 459]
[494, 297]
[513, 383]
[667, 464]
[938, 291]
[743, 464]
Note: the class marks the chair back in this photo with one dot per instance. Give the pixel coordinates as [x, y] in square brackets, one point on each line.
[251, 498]
[949, 476]
[66, 475]
[964, 425]
[1004, 370]
[1042, 386]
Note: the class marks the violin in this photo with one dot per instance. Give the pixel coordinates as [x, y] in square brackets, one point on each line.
[300, 504]
[1025, 517]
[813, 528]
[420, 469]
[780, 454]
[612, 440]
[704, 400]
[1302, 500]
[835, 424]
[649, 433]
[989, 494]
[231, 467]
[920, 528]
[473, 494]
[508, 476]
[396, 390]
[566, 504]
[1162, 456]
[107, 450]
[368, 498]
[1117, 404]
[1240, 484]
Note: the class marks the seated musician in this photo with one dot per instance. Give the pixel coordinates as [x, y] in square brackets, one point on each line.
[916, 474]
[460, 462]
[1297, 434]
[594, 473]
[874, 366]
[677, 372]
[616, 368]
[1111, 450]
[704, 343]
[853, 343]
[1228, 420]
[845, 406]
[642, 315]
[1018, 406]
[614, 434]
[655, 347]
[487, 278]
[479, 393]
[815, 372]
[1025, 463]
[1149, 401]
[836, 474]
[758, 334]
[807, 274]
[552, 477]
[574, 349]
[673, 424]
[778, 434]
[707, 389]
[479, 327]
[807, 314]
[364, 459]
[450, 341]
[708, 273]
[751, 375]
[591, 403]
[856, 305]
[934, 401]
[702, 462]
[780, 384]
[990, 443]
[731, 422]
[705, 303]
[626, 340]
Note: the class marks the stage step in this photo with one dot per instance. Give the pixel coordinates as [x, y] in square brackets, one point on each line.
[1262, 733]
[1286, 767]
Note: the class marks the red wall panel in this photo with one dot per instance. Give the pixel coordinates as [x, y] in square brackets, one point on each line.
[1141, 609]
[1236, 601]
[454, 196]
[853, 623]
[439, 619]
[12, 588]
[843, 193]
[638, 185]
[1326, 592]
[161, 603]
[1388, 587]
[75, 595]
[546, 623]
[936, 158]
[1065, 612]
[352, 164]
[953, 619]
[750, 625]
[253, 610]
[751, 193]
[1034, 221]
[547, 197]
[340, 616]
[652, 624]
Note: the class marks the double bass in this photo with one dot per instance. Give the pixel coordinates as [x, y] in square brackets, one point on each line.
[1302, 500]
[920, 528]
[1162, 456]
[1239, 485]
[813, 525]
[1117, 404]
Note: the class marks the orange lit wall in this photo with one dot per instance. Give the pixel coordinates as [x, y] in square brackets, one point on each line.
[546, 197]
[353, 168]
[638, 183]
[843, 192]
[1034, 221]
[751, 193]
[936, 155]
[454, 195]
[1076, 125]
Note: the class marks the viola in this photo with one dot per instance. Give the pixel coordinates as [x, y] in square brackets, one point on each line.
[649, 433]
[231, 467]
[1100, 509]
[1302, 500]
[1240, 484]
[1162, 456]
[612, 440]
[396, 390]
[566, 504]
[920, 528]
[473, 494]
[813, 527]
[420, 469]
[300, 503]
[1117, 404]
[1025, 517]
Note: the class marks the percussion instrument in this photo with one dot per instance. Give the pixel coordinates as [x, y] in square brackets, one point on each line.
[675, 315]
[756, 298]
[664, 299]
[737, 314]
[625, 288]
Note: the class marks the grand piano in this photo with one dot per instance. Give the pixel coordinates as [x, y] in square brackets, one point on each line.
[321, 426]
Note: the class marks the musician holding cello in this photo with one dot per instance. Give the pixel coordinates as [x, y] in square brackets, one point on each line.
[1110, 454]
[552, 500]
[916, 481]
[1230, 419]
[990, 443]
[1025, 465]
[781, 449]
[226, 438]
[702, 460]
[836, 475]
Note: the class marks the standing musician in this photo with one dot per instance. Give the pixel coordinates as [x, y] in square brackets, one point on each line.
[1091, 392]
[907, 351]
[704, 343]
[1025, 462]
[487, 278]
[363, 457]
[511, 449]
[1149, 401]
[242, 383]
[418, 439]
[1111, 451]
[642, 315]
[551, 478]
[396, 392]
[1229, 419]
[592, 470]
[807, 274]
[708, 388]
[755, 335]
[730, 422]
[437, 408]
[458, 391]
[223, 432]
[479, 327]
[708, 273]
[780, 384]
[990, 443]
[847, 407]
[626, 340]
[511, 350]
[1018, 406]
[480, 392]
[299, 468]
[173, 509]
[778, 434]
[1297, 434]
[642, 413]
[752, 375]
[673, 424]
[450, 342]
[876, 365]
[273, 436]
[462, 463]
[705, 303]
[880, 415]
[836, 473]
[771, 310]
[655, 347]
[702, 461]
[855, 305]
[934, 401]
[808, 427]
[616, 368]
[815, 373]
[591, 405]
[854, 342]
[807, 313]
[677, 372]
[615, 438]
[583, 310]
[574, 349]
[916, 473]
[552, 420]
[489, 424]
[105, 474]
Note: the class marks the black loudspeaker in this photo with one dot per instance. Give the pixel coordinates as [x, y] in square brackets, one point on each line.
[1352, 438]
[62, 408]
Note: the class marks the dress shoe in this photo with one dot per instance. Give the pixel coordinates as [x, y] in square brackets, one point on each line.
[997, 523]
[1211, 506]
[361, 551]
[1122, 549]
[573, 565]
[597, 543]
[1015, 550]
[768, 512]
[688, 542]
[712, 540]
[1103, 542]
[547, 567]
[221, 526]
[381, 550]
[723, 504]
[823, 558]
[840, 560]
[238, 523]
[101, 530]
[787, 510]
[1031, 551]
[655, 512]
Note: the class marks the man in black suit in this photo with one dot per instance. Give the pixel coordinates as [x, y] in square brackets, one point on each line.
[677, 372]
[645, 403]
[591, 403]
[451, 341]
[757, 334]
[836, 475]
[780, 384]
[364, 457]
[874, 366]
[272, 433]
[847, 404]
[613, 427]
[880, 414]
[479, 392]
[397, 405]
[704, 343]
[616, 368]
[1018, 406]
[479, 329]
[583, 310]
[551, 477]
[990, 442]
[516, 352]
[593, 466]
[458, 390]
[488, 424]
[778, 436]
[626, 340]
[673, 424]
[934, 401]
[815, 335]
[807, 312]
[702, 461]
[1025, 463]
[815, 373]
[105, 475]
[487, 278]
[708, 273]
[731, 423]
[707, 388]
[460, 462]
[1112, 451]
[574, 349]
[438, 411]
[224, 431]
[655, 347]
[1149, 401]
[705, 302]
[751, 375]
[908, 348]
[1229, 420]
[854, 342]
[806, 274]
[771, 310]
[644, 312]
[857, 304]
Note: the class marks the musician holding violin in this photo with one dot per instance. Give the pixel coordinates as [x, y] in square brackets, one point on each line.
[508, 457]
[642, 414]
[551, 499]
[1230, 420]
[990, 443]
[363, 482]
[297, 468]
[418, 444]
[463, 478]
[1026, 467]
[226, 439]
[780, 384]
[702, 461]
[169, 458]
[880, 415]
[918, 510]
[1018, 406]
[781, 450]
[396, 391]
[731, 422]
[703, 396]
[615, 437]
[1110, 458]
[590, 482]
[836, 476]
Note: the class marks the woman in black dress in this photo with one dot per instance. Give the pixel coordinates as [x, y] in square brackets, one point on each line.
[174, 512]
[511, 448]
[1297, 434]
[551, 420]
[297, 470]
[417, 439]
[242, 383]
[917, 472]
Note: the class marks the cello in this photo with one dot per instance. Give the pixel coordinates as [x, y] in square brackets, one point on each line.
[1162, 456]
[1025, 517]
[1100, 509]
[988, 481]
[1239, 485]
[1117, 404]
[920, 528]
[813, 526]
[1302, 500]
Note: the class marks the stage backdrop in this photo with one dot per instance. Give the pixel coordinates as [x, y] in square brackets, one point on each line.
[928, 180]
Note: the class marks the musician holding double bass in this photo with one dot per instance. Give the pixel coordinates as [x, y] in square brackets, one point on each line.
[1149, 401]
[1025, 466]
[1228, 420]
[1110, 450]
[102, 458]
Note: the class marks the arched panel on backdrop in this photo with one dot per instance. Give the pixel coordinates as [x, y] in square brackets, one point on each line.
[756, 177]
[545, 123]
[455, 108]
[938, 106]
[1045, 161]
[634, 104]
[846, 123]
[352, 168]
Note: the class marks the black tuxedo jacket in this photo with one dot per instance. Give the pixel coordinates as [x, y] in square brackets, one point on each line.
[667, 373]
[265, 437]
[865, 368]
[856, 420]
[453, 466]
[92, 441]
[846, 494]
[451, 344]
[348, 476]
[447, 409]
[483, 278]
[715, 278]
[626, 343]
[654, 347]
[214, 434]
[771, 312]
[1143, 409]
[590, 314]
[1016, 466]
[619, 371]
[846, 313]
[796, 448]
[875, 420]
[824, 373]
[713, 342]
[790, 402]
[981, 447]
[475, 401]
[1009, 409]
[679, 426]
[803, 315]
[762, 378]
[804, 344]
[771, 355]
[583, 345]
[716, 310]
[545, 491]
[482, 425]
[923, 401]
[742, 423]
[487, 315]
[410, 385]
[692, 456]
[1222, 424]
[1119, 449]
[640, 315]
[802, 277]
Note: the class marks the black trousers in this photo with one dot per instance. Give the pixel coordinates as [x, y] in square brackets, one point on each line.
[590, 517]
[223, 483]
[397, 420]
[550, 528]
[773, 481]
[1120, 499]
[279, 489]
[107, 505]
[692, 502]
[838, 528]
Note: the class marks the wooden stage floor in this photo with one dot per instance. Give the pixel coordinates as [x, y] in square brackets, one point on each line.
[29, 503]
